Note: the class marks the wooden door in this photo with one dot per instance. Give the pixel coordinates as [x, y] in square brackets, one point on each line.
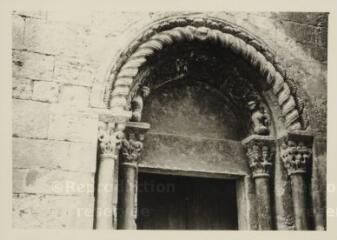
[176, 202]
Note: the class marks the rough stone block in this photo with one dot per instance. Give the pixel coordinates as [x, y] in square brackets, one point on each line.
[96, 95]
[306, 34]
[54, 154]
[312, 79]
[56, 37]
[45, 91]
[73, 71]
[319, 118]
[31, 14]
[30, 119]
[55, 182]
[320, 156]
[101, 21]
[42, 153]
[73, 127]
[317, 53]
[74, 96]
[22, 88]
[78, 17]
[40, 36]
[45, 211]
[307, 18]
[18, 26]
[32, 65]
[82, 156]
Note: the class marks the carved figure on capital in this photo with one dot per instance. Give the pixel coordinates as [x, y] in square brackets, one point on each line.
[260, 159]
[295, 156]
[137, 103]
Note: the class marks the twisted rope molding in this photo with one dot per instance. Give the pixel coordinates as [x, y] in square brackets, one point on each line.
[125, 77]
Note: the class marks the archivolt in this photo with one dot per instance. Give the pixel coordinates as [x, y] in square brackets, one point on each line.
[202, 30]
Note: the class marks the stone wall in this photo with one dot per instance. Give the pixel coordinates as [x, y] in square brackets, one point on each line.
[60, 61]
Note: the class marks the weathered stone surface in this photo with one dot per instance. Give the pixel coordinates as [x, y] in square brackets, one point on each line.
[79, 17]
[82, 156]
[318, 53]
[320, 119]
[54, 154]
[73, 71]
[304, 82]
[191, 111]
[122, 21]
[74, 96]
[48, 211]
[306, 34]
[318, 183]
[30, 119]
[319, 19]
[22, 88]
[55, 182]
[32, 65]
[38, 14]
[18, 26]
[45, 91]
[73, 127]
[313, 40]
[56, 38]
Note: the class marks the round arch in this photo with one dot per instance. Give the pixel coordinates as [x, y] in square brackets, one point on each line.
[122, 78]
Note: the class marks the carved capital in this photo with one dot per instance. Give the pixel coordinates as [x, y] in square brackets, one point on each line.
[260, 152]
[131, 150]
[296, 152]
[110, 135]
[132, 144]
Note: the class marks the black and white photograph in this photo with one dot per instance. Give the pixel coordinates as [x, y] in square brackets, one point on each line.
[169, 120]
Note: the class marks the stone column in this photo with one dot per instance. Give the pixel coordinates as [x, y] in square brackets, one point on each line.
[131, 149]
[109, 137]
[260, 151]
[296, 151]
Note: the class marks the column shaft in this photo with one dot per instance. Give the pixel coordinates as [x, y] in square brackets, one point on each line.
[131, 149]
[263, 200]
[260, 153]
[109, 137]
[298, 192]
[104, 197]
[127, 218]
[296, 154]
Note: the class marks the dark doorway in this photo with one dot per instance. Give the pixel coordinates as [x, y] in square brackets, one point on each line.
[176, 202]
